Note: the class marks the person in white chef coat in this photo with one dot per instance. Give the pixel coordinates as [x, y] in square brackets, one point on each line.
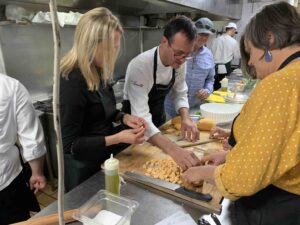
[225, 48]
[19, 121]
[152, 75]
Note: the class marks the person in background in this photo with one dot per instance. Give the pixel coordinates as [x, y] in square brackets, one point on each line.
[87, 101]
[261, 172]
[18, 121]
[224, 48]
[200, 69]
[152, 75]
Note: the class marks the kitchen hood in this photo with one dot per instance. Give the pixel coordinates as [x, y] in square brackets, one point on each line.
[214, 9]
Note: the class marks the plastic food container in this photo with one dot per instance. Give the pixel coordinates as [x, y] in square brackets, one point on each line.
[239, 86]
[219, 112]
[237, 98]
[105, 208]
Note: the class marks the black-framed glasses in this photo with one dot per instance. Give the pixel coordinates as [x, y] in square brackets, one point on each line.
[201, 26]
[179, 54]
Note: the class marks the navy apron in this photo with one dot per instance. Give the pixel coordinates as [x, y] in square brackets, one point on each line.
[156, 96]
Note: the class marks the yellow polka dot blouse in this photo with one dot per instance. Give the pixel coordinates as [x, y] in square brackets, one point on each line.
[267, 134]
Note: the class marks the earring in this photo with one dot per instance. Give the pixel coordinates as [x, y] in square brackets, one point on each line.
[268, 56]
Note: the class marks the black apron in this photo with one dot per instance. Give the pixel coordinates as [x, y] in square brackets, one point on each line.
[80, 169]
[271, 205]
[218, 77]
[156, 96]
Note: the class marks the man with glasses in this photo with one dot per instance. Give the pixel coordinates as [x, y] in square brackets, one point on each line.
[225, 48]
[200, 69]
[152, 75]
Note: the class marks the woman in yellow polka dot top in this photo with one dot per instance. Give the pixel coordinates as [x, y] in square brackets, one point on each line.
[262, 170]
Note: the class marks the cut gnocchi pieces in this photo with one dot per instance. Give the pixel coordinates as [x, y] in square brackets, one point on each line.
[165, 169]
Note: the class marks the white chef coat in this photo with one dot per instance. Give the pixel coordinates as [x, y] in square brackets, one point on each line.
[139, 82]
[224, 49]
[17, 120]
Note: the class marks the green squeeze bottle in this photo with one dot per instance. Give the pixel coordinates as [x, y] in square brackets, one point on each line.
[111, 170]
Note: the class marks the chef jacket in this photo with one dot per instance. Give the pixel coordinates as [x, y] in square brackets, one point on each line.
[139, 82]
[224, 49]
[17, 120]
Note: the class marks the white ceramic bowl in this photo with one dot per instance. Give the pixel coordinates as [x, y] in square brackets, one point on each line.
[219, 112]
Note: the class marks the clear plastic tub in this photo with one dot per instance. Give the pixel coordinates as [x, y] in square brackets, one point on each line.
[105, 208]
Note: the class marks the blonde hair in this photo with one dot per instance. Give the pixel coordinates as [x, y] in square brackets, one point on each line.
[95, 26]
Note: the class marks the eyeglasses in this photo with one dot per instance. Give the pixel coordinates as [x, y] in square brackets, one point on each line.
[201, 26]
[179, 54]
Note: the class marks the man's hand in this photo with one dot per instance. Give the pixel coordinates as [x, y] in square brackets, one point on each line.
[37, 182]
[189, 130]
[202, 94]
[184, 158]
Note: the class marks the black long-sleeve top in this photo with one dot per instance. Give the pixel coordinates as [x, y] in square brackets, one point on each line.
[84, 123]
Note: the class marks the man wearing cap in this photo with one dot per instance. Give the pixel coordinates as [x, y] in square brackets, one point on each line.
[200, 69]
[224, 49]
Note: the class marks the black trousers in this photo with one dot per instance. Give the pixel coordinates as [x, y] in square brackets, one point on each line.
[219, 77]
[271, 206]
[16, 201]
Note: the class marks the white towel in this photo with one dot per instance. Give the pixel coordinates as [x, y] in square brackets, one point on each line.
[69, 18]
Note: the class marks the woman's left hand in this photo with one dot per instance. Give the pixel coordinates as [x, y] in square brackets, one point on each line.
[195, 175]
[134, 121]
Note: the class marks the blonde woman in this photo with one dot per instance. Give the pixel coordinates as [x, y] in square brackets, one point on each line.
[88, 105]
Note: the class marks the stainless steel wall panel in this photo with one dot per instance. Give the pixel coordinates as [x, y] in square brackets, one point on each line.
[28, 54]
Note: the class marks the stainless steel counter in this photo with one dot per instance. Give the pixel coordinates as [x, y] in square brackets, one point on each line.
[154, 205]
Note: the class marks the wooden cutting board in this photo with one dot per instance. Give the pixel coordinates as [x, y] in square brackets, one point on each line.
[135, 156]
[175, 136]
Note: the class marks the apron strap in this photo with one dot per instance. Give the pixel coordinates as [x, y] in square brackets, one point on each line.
[289, 59]
[155, 69]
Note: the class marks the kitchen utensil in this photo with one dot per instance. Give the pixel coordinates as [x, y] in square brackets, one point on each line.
[215, 219]
[210, 219]
[175, 137]
[49, 220]
[166, 186]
